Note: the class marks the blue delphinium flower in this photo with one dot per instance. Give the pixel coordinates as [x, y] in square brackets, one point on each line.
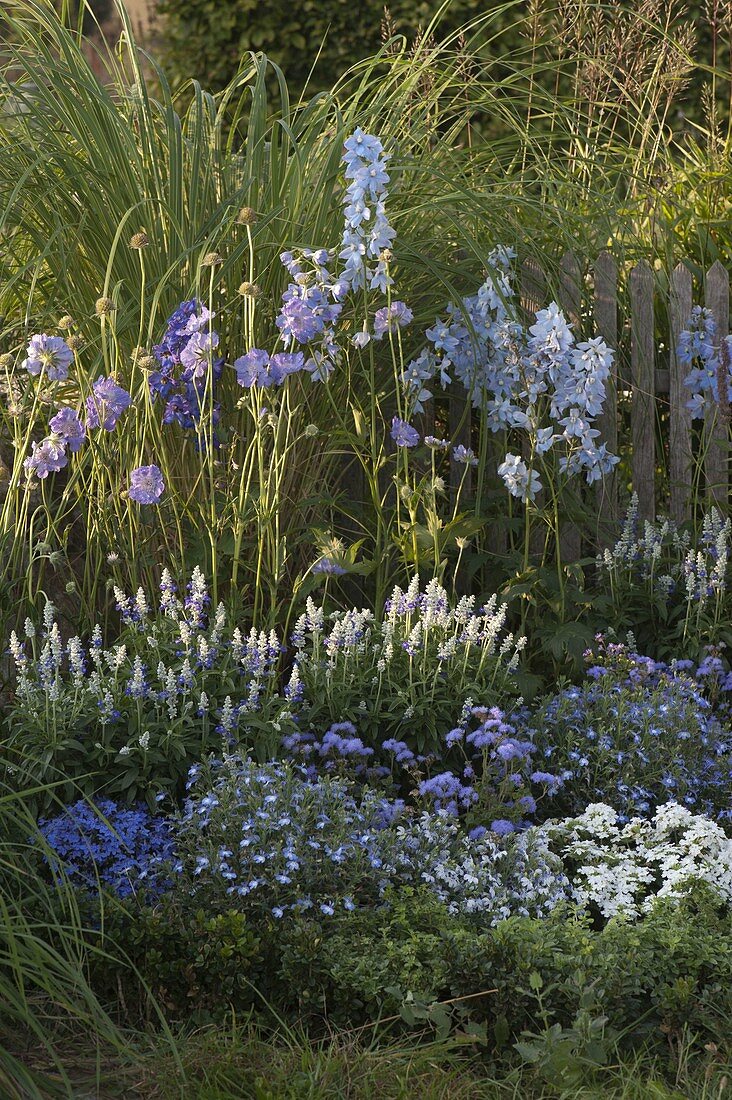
[146, 485]
[189, 370]
[49, 353]
[69, 428]
[390, 318]
[106, 404]
[367, 234]
[518, 479]
[700, 348]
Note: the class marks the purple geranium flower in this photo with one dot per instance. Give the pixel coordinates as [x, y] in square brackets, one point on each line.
[146, 485]
[106, 404]
[69, 428]
[403, 434]
[50, 352]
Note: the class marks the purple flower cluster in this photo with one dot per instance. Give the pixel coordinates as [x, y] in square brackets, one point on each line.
[188, 367]
[634, 735]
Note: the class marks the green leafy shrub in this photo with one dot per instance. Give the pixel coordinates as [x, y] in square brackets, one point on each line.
[208, 41]
[651, 978]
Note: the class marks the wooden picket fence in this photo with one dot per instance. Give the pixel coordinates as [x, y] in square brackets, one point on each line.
[641, 320]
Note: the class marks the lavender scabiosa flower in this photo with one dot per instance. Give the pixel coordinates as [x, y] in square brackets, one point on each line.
[106, 404]
[51, 353]
[464, 456]
[403, 434]
[329, 567]
[47, 457]
[69, 428]
[390, 318]
[197, 354]
[146, 485]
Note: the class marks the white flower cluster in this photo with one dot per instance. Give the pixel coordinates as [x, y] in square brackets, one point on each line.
[623, 868]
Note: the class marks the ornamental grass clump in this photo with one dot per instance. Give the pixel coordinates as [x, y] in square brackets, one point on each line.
[635, 734]
[406, 677]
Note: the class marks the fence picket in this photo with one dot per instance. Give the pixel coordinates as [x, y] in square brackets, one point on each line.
[570, 301]
[716, 429]
[642, 415]
[606, 320]
[679, 448]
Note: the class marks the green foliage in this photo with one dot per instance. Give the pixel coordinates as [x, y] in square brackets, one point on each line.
[646, 980]
[313, 43]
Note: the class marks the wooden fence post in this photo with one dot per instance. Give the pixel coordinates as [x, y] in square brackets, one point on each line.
[606, 320]
[643, 410]
[679, 443]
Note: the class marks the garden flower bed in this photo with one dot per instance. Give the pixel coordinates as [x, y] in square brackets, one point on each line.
[342, 714]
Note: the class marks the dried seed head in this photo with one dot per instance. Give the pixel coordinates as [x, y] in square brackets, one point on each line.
[103, 306]
[311, 430]
[6, 361]
[250, 290]
[75, 341]
[66, 322]
[246, 216]
[211, 259]
[139, 240]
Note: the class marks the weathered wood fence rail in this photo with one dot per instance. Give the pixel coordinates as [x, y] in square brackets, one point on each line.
[642, 320]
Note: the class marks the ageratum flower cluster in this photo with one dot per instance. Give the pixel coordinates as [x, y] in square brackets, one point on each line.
[265, 837]
[188, 368]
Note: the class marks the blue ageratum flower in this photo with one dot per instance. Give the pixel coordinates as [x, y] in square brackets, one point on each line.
[49, 353]
[146, 485]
